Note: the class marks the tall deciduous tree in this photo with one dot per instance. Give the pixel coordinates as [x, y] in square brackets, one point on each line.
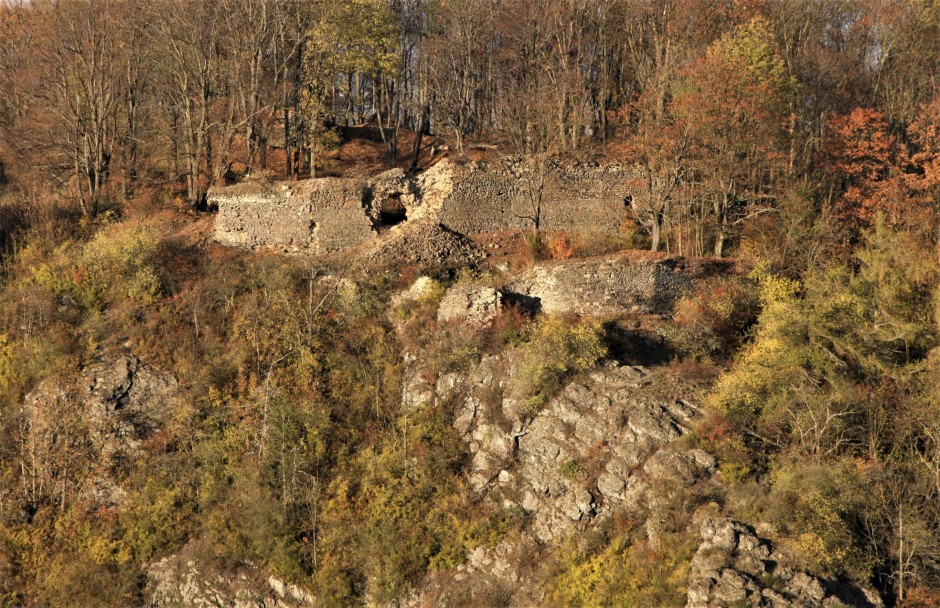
[188, 33]
[80, 66]
[658, 156]
[351, 55]
[875, 172]
[735, 101]
[459, 58]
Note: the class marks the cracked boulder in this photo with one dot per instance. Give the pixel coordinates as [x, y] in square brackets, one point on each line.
[105, 412]
[734, 567]
[471, 303]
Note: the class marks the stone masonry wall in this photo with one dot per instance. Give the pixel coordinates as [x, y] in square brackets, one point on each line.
[319, 216]
[331, 214]
[612, 285]
[508, 195]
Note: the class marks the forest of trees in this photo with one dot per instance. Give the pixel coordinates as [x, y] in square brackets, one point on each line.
[801, 137]
[729, 110]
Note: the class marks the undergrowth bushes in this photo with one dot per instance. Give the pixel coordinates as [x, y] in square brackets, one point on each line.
[121, 262]
[828, 407]
[290, 447]
[712, 320]
[617, 565]
[555, 350]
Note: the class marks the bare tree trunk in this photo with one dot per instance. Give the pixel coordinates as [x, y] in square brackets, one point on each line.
[719, 244]
[175, 137]
[721, 207]
[656, 231]
[419, 135]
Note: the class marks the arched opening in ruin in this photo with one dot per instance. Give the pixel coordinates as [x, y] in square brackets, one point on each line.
[393, 211]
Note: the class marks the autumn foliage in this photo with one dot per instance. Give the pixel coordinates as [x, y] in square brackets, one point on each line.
[800, 137]
[876, 173]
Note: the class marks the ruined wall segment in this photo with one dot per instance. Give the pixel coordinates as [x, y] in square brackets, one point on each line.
[332, 214]
[318, 216]
[336, 207]
[393, 187]
[477, 198]
[614, 284]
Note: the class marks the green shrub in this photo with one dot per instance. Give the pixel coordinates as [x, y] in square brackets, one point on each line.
[571, 470]
[815, 509]
[712, 320]
[557, 350]
[120, 262]
[627, 572]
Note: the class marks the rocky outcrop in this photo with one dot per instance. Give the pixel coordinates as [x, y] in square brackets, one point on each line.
[605, 443]
[614, 284]
[607, 448]
[593, 448]
[108, 409]
[187, 582]
[489, 577]
[611, 285]
[733, 567]
[471, 303]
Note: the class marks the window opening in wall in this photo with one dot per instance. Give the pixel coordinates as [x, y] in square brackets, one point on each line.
[393, 211]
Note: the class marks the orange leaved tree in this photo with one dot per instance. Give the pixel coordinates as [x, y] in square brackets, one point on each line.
[735, 103]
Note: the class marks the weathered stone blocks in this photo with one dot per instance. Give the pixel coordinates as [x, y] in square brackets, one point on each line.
[319, 216]
[513, 195]
[470, 303]
[333, 214]
[612, 285]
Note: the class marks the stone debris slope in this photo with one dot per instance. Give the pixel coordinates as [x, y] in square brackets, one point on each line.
[425, 245]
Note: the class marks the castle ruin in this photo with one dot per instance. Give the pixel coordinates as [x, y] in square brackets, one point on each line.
[333, 214]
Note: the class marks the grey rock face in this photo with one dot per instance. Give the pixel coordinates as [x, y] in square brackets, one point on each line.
[604, 443]
[113, 406]
[594, 447]
[179, 581]
[128, 400]
[733, 567]
[470, 303]
[489, 577]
